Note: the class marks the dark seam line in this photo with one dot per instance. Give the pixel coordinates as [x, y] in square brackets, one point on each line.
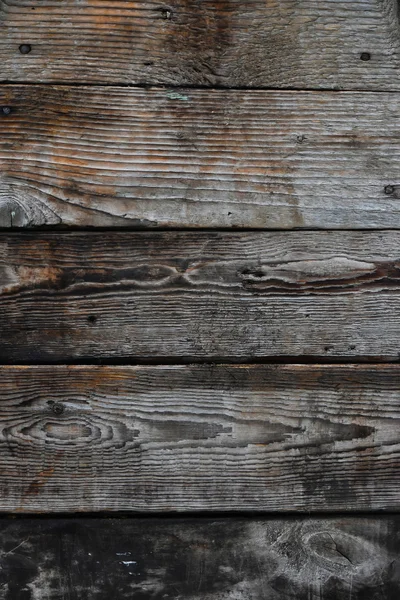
[204, 515]
[65, 230]
[212, 362]
[167, 86]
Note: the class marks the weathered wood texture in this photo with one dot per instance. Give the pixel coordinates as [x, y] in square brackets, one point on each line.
[187, 438]
[279, 43]
[123, 157]
[199, 295]
[241, 559]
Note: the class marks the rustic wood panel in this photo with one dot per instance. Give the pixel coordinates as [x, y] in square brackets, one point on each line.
[147, 559]
[279, 43]
[123, 157]
[209, 438]
[199, 295]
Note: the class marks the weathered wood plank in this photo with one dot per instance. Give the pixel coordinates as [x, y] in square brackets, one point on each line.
[279, 43]
[123, 157]
[209, 438]
[99, 559]
[199, 295]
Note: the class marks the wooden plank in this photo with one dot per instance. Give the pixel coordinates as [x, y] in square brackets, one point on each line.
[200, 438]
[123, 157]
[168, 296]
[279, 43]
[99, 559]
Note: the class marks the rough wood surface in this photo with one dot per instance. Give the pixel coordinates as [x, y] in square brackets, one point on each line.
[241, 559]
[205, 158]
[208, 438]
[199, 295]
[279, 43]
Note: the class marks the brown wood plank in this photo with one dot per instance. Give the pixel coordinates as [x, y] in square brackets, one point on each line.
[147, 559]
[123, 157]
[279, 43]
[199, 296]
[200, 438]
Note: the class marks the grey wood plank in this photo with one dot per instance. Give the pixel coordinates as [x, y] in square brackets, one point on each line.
[172, 296]
[279, 43]
[206, 158]
[199, 438]
[252, 559]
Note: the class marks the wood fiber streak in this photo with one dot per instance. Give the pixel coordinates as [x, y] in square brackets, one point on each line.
[199, 296]
[279, 43]
[200, 438]
[198, 158]
[151, 559]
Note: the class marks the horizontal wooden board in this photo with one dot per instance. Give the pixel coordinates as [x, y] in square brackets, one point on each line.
[165, 296]
[200, 438]
[150, 559]
[205, 158]
[279, 43]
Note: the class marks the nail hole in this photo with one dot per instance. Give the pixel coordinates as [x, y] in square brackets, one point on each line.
[166, 13]
[365, 56]
[25, 48]
[6, 110]
[92, 319]
[257, 273]
[389, 189]
[301, 138]
[327, 348]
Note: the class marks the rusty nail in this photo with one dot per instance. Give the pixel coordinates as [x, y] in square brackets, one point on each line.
[57, 408]
[365, 56]
[389, 189]
[25, 48]
[6, 110]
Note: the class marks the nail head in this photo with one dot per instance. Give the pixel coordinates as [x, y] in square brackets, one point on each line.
[6, 110]
[25, 48]
[365, 56]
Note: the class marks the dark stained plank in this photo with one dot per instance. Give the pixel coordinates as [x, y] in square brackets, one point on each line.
[199, 296]
[151, 559]
[279, 43]
[199, 438]
[205, 158]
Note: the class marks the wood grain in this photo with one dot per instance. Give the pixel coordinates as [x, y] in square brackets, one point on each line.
[172, 296]
[279, 43]
[200, 438]
[99, 559]
[205, 158]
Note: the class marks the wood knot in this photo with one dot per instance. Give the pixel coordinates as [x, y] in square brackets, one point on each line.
[56, 407]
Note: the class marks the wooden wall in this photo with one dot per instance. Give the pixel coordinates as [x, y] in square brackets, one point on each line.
[199, 300]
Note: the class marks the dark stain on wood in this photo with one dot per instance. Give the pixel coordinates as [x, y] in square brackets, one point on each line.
[197, 158]
[148, 559]
[204, 42]
[199, 296]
